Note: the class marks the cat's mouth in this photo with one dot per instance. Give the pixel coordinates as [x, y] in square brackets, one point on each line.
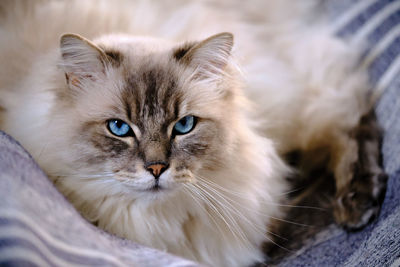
[157, 187]
[157, 192]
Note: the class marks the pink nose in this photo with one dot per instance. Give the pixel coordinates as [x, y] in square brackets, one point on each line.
[156, 169]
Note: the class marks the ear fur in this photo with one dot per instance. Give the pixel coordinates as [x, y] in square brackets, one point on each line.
[211, 55]
[81, 59]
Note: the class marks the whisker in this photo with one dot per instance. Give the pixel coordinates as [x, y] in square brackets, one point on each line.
[231, 219]
[290, 191]
[234, 209]
[242, 195]
[269, 216]
[82, 175]
[298, 207]
[190, 193]
[234, 229]
[272, 217]
[260, 231]
[294, 223]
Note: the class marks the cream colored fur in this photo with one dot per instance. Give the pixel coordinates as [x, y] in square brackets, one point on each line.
[302, 80]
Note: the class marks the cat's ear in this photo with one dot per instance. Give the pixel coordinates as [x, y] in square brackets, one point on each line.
[210, 56]
[81, 59]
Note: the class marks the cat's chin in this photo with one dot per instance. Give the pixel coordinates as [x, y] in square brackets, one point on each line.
[156, 192]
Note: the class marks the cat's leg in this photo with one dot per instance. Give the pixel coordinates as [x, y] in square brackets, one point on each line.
[360, 179]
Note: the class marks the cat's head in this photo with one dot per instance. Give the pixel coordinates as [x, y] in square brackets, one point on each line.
[148, 115]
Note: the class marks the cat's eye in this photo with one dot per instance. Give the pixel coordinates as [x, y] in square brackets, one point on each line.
[184, 125]
[119, 128]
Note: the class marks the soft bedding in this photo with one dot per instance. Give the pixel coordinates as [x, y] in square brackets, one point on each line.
[39, 227]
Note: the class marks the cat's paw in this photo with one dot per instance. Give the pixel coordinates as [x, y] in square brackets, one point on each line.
[353, 210]
[359, 203]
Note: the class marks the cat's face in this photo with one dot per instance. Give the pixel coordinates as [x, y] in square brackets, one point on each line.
[149, 116]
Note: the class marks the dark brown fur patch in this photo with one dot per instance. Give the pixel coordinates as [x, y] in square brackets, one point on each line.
[111, 146]
[2, 111]
[153, 93]
[314, 186]
[114, 57]
[312, 192]
[180, 52]
[365, 192]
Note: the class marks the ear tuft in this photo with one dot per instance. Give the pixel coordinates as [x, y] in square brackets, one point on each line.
[79, 54]
[81, 59]
[210, 55]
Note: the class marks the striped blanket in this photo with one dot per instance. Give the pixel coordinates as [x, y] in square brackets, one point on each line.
[60, 237]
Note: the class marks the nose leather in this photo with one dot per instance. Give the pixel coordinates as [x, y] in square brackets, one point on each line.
[156, 168]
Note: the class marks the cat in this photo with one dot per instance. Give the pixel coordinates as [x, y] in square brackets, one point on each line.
[167, 123]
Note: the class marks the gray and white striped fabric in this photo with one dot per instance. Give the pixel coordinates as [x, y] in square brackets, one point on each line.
[39, 228]
[377, 24]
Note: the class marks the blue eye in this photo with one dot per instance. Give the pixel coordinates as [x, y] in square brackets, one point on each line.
[185, 125]
[119, 128]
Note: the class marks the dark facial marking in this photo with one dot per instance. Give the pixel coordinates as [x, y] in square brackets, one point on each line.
[196, 148]
[153, 83]
[180, 52]
[114, 57]
[110, 145]
[180, 167]
[130, 97]
[128, 108]
[160, 88]
[152, 93]
[195, 145]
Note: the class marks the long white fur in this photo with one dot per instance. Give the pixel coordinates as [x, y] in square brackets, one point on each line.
[297, 74]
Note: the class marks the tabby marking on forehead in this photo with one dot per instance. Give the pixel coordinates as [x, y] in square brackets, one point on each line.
[152, 94]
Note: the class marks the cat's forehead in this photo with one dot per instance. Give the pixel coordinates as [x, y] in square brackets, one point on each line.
[152, 92]
[158, 88]
[149, 73]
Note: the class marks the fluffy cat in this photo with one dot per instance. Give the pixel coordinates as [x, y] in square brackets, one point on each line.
[142, 116]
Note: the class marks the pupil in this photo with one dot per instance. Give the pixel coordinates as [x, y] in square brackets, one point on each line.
[118, 123]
